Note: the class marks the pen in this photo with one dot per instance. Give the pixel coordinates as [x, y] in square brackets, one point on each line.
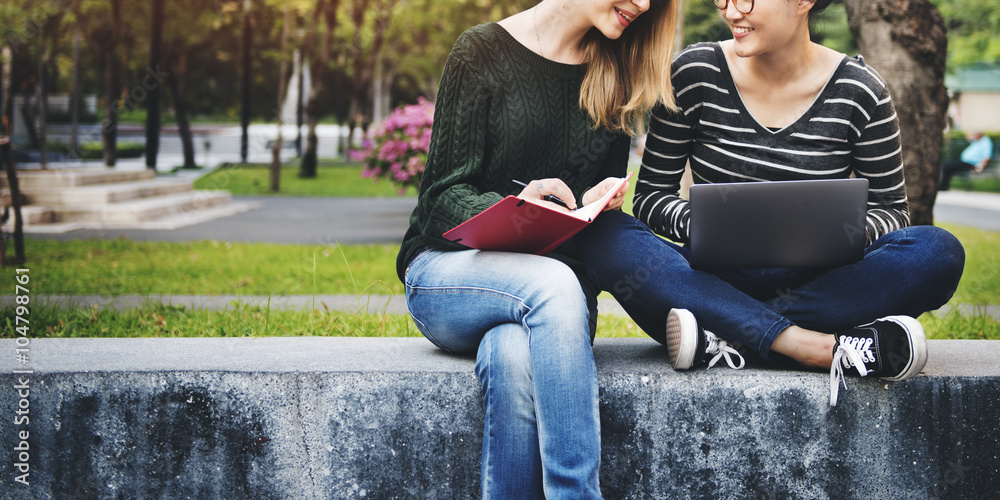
[548, 197]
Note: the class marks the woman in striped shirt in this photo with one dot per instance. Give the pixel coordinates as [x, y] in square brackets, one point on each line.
[771, 105]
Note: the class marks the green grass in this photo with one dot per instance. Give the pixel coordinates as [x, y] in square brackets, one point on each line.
[120, 267]
[239, 319]
[332, 179]
[973, 182]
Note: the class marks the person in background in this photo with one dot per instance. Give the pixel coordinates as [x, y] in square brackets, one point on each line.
[549, 95]
[771, 105]
[974, 157]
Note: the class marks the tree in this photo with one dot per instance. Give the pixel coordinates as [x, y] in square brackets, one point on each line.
[275, 183]
[246, 65]
[101, 24]
[318, 51]
[191, 28]
[6, 131]
[906, 41]
[972, 31]
[153, 105]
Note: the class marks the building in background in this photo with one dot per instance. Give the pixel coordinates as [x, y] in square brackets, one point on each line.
[975, 98]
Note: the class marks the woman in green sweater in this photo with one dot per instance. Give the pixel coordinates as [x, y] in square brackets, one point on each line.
[551, 96]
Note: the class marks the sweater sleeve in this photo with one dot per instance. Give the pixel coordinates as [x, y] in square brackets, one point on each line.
[657, 201]
[449, 195]
[616, 161]
[877, 156]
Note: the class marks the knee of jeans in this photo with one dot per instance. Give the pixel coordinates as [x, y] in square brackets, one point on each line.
[950, 260]
[940, 261]
[560, 288]
[943, 252]
[503, 362]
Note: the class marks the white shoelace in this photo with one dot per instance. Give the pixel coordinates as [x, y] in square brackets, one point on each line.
[722, 349]
[837, 369]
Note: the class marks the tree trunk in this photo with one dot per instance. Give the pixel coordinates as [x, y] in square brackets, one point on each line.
[275, 184]
[6, 132]
[177, 79]
[310, 157]
[906, 41]
[29, 113]
[74, 100]
[43, 100]
[109, 129]
[153, 105]
[245, 83]
[298, 105]
[318, 63]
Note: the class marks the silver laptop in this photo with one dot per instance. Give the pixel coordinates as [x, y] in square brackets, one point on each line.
[810, 223]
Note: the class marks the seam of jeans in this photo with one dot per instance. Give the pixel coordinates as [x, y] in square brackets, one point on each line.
[487, 469]
[772, 332]
[442, 289]
[422, 327]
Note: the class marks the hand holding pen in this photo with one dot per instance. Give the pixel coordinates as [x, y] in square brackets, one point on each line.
[546, 190]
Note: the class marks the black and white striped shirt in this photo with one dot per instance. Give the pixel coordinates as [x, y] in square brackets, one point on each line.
[850, 128]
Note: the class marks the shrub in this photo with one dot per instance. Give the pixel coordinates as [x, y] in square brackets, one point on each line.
[94, 150]
[396, 148]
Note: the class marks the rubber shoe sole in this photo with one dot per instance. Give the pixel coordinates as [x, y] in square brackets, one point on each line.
[682, 338]
[918, 348]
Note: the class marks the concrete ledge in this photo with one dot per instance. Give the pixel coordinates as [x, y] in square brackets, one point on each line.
[396, 418]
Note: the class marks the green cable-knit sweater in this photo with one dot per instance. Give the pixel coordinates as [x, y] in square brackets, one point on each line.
[504, 113]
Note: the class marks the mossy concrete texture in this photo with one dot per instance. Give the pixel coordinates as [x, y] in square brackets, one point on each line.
[322, 417]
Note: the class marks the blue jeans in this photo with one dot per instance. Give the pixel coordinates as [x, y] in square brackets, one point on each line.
[908, 272]
[530, 323]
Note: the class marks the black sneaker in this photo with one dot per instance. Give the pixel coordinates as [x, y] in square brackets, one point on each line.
[688, 344]
[891, 348]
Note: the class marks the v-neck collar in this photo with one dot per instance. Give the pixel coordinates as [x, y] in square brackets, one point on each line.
[730, 84]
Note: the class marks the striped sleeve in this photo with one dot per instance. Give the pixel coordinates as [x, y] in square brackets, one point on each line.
[657, 201]
[878, 157]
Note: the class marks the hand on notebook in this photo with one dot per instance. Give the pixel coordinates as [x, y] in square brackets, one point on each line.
[596, 192]
[537, 190]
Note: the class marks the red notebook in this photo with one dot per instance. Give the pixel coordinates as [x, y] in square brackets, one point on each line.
[516, 225]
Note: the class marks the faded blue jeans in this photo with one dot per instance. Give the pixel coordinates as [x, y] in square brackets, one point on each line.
[907, 272]
[530, 323]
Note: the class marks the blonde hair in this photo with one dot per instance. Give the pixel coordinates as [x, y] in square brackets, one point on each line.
[628, 76]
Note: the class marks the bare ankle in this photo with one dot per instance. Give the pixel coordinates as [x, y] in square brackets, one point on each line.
[808, 347]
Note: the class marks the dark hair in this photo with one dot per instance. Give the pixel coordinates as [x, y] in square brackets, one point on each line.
[819, 6]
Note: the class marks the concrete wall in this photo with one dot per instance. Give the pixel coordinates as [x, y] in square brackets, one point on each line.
[395, 418]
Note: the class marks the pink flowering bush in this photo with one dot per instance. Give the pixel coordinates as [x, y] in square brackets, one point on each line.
[396, 148]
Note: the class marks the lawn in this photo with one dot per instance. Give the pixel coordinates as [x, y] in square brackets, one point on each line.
[333, 178]
[120, 267]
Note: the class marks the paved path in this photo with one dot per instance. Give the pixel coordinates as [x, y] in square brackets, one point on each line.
[284, 220]
[980, 210]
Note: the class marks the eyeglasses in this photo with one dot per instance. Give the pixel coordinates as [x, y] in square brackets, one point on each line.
[743, 6]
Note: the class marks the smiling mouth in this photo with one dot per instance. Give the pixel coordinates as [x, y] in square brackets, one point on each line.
[741, 29]
[626, 16]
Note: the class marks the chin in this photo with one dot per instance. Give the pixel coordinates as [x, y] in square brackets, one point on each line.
[613, 33]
